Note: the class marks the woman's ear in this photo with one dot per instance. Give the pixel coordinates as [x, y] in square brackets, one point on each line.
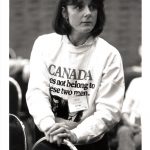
[64, 13]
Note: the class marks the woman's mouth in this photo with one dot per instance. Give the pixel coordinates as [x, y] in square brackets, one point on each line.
[86, 22]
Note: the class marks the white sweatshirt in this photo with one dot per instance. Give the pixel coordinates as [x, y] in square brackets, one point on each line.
[80, 83]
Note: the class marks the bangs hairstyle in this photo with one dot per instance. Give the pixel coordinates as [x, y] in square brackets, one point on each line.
[60, 25]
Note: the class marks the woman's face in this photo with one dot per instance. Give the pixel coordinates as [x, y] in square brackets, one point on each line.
[82, 17]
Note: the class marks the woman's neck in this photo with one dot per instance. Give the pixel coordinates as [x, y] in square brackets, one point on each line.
[78, 39]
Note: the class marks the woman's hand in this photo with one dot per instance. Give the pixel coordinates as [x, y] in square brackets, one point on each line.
[70, 124]
[58, 132]
[136, 128]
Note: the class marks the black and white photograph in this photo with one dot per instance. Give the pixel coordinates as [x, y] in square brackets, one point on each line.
[74, 75]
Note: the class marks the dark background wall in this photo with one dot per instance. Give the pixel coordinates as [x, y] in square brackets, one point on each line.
[31, 18]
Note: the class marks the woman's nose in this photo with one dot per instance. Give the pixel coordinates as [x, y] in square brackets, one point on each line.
[87, 10]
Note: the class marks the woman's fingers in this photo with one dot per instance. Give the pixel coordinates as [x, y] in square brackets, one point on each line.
[59, 130]
[61, 137]
[55, 127]
[57, 133]
[58, 138]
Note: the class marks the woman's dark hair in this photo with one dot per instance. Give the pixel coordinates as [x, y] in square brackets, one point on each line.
[62, 27]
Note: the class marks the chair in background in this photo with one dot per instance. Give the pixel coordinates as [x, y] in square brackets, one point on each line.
[17, 134]
[15, 96]
[45, 145]
[15, 108]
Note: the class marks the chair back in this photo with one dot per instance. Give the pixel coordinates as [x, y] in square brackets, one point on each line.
[15, 96]
[17, 134]
[43, 144]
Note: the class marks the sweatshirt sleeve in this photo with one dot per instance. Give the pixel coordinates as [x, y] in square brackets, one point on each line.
[37, 96]
[108, 103]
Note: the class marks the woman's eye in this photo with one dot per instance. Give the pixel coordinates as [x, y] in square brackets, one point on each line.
[79, 7]
[93, 7]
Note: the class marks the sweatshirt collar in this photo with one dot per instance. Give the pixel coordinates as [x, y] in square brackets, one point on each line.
[81, 48]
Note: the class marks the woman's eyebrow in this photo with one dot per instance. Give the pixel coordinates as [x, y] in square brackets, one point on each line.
[79, 3]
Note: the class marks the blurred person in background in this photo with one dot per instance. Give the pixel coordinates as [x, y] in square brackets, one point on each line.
[129, 134]
[135, 70]
[76, 84]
